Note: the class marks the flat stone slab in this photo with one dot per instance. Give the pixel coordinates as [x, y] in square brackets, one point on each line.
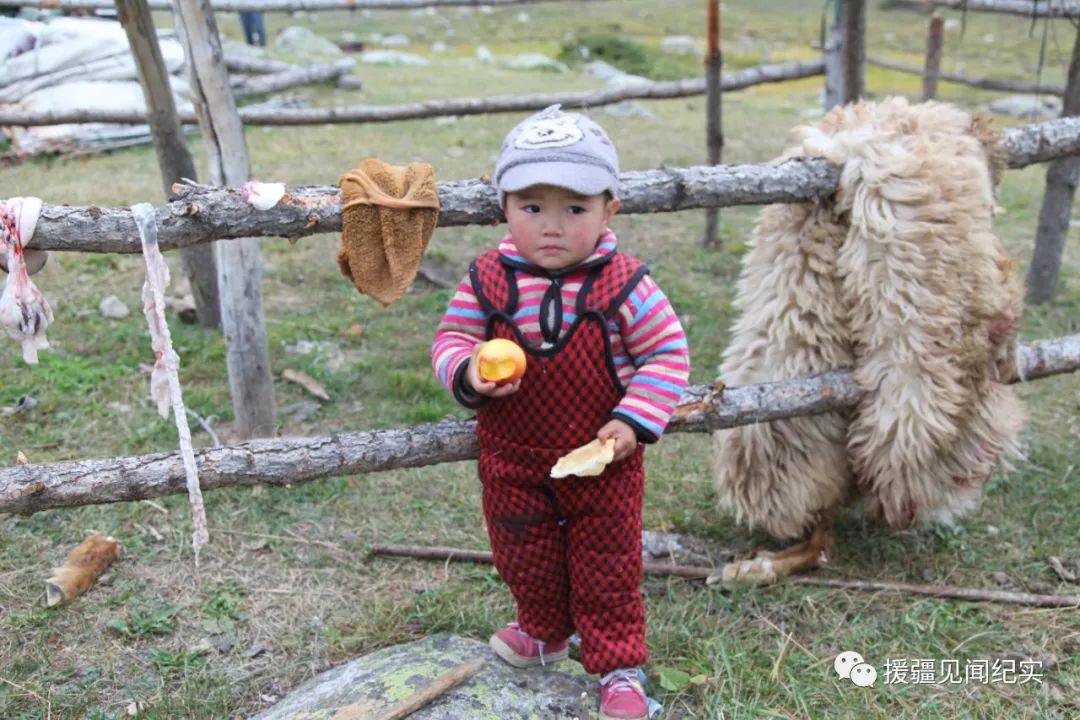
[498, 692]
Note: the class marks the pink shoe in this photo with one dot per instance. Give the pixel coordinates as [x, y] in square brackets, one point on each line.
[520, 649]
[622, 696]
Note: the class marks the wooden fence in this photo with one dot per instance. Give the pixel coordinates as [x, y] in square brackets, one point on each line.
[203, 213]
[282, 5]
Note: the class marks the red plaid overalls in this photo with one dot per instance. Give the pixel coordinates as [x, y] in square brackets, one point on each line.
[570, 549]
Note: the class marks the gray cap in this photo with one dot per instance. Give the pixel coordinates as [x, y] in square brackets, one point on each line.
[557, 148]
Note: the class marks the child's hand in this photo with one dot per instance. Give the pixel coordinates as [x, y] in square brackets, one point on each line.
[486, 387]
[625, 438]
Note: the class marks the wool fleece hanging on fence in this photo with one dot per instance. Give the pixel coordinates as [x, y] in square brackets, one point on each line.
[900, 277]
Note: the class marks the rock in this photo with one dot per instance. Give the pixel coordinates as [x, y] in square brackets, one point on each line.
[628, 109]
[523, 17]
[497, 692]
[113, 307]
[683, 549]
[680, 45]
[390, 40]
[625, 79]
[484, 55]
[394, 58]
[438, 46]
[535, 61]
[301, 42]
[601, 70]
[234, 50]
[302, 410]
[1029, 107]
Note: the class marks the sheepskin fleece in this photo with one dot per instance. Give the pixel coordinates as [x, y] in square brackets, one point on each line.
[900, 277]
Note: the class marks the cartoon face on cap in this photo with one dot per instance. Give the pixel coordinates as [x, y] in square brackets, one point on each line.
[549, 132]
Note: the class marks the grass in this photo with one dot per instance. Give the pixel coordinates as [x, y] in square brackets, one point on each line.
[285, 588]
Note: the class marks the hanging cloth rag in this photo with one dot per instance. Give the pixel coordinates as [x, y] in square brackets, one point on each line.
[388, 213]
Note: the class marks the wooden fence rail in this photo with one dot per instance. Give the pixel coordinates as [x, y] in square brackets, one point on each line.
[738, 80]
[975, 81]
[203, 214]
[282, 5]
[1027, 8]
[30, 488]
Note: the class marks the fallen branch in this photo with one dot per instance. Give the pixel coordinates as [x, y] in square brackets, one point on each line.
[702, 573]
[440, 685]
[258, 66]
[203, 214]
[301, 75]
[30, 488]
[984, 83]
[355, 114]
[428, 552]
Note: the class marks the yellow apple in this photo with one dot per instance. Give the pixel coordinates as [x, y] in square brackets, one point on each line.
[500, 361]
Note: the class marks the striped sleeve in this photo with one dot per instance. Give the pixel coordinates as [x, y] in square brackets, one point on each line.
[654, 339]
[460, 331]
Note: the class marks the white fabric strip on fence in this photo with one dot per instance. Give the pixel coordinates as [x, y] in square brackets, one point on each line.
[165, 378]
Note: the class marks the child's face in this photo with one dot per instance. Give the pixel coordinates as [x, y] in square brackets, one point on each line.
[555, 228]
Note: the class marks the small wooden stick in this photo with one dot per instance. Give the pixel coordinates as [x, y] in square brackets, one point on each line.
[430, 552]
[440, 685]
[701, 573]
[945, 591]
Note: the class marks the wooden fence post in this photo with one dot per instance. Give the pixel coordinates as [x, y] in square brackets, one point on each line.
[714, 124]
[834, 76]
[853, 13]
[174, 160]
[1062, 175]
[239, 263]
[932, 68]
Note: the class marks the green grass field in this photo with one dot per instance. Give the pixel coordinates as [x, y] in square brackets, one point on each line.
[286, 589]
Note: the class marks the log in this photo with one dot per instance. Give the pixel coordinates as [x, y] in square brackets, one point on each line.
[278, 5]
[1040, 142]
[174, 160]
[299, 75]
[239, 264]
[932, 65]
[1027, 8]
[692, 572]
[31, 488]
[714, 122]
[738, 80]
[983, 83]
[1055, 212]
[202, 214]
[853, 22]
[257, 66]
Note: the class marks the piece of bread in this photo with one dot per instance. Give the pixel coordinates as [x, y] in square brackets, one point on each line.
[587, 461]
